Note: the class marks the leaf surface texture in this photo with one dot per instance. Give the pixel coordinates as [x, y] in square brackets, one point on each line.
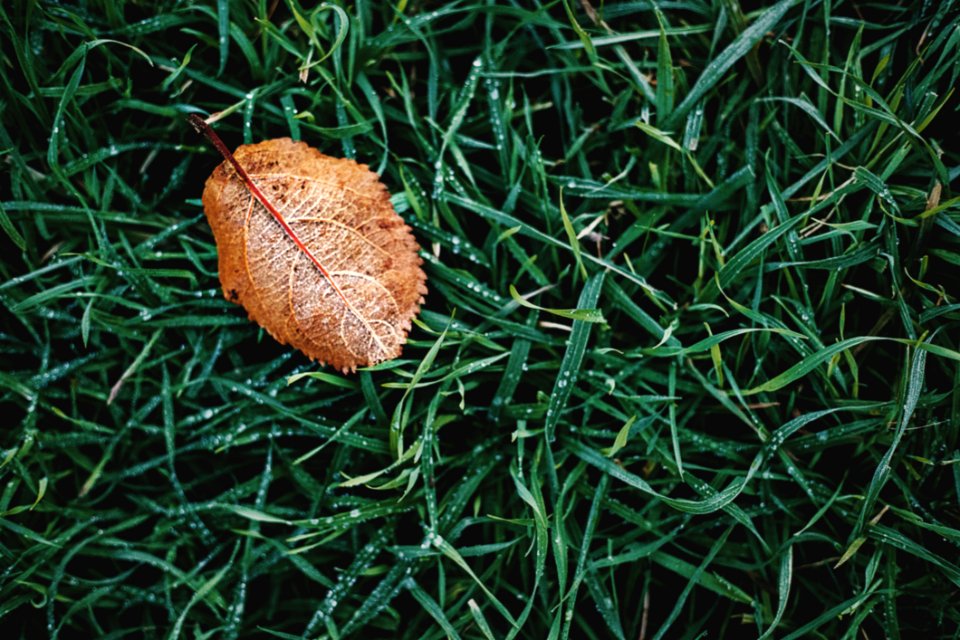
[333, 271]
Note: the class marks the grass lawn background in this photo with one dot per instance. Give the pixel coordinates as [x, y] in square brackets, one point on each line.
[721, 400]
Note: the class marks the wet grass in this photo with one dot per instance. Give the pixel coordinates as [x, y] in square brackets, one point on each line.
[688, 367]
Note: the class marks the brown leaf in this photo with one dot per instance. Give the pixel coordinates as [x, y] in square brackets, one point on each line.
[312, 248]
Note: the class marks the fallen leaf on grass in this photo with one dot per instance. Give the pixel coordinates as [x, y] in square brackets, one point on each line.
[312, 248]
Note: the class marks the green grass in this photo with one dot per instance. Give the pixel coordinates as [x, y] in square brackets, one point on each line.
[689, 365]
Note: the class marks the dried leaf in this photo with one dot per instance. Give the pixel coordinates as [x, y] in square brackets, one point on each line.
[312, 248]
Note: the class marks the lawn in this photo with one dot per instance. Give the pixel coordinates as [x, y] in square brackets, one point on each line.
[688, 367]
